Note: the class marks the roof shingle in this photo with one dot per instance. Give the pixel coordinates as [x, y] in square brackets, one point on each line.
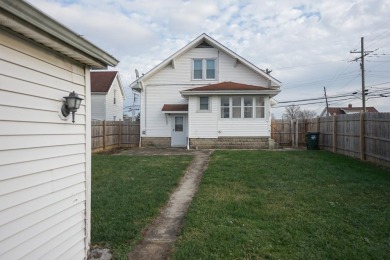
[175, 107]
[101, 81]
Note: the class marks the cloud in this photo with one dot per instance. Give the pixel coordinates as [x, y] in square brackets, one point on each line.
[300, 40]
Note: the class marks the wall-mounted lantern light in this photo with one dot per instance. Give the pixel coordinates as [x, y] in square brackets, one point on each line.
[71, 104]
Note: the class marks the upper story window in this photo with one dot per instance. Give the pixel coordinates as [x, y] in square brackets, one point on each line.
[242, 107]
[198, 69]
[114, 97]
[204, 103]
[204, 69]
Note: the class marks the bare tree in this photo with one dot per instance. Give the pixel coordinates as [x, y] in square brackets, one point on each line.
[295, 112]
[292, 112]
[307, 114]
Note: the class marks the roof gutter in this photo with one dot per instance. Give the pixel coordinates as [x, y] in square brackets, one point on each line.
[230, 92]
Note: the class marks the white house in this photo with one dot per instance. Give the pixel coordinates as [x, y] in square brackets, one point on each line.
[206, 96]
[107, 95]
[45, 159]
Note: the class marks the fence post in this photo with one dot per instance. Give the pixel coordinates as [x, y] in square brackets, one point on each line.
[297, 133]
[362, 137]
[318, 130]
[292, 132]
[120, 135]
[334, 133]
[104, 135]
[318, 124]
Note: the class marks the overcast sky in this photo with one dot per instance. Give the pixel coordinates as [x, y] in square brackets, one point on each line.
[306, 44]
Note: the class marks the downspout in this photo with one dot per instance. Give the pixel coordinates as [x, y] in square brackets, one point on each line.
[140, 136]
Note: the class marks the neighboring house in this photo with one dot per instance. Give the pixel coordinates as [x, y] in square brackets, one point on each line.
[45, 159]
[107, 96]
[206, 96]
[345, 110]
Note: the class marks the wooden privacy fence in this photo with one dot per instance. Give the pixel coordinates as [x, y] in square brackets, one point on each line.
[108, 135]
[288, 132]
[365, 135]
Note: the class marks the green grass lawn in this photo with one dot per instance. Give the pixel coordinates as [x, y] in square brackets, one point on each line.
[288, 205]
[127, 193]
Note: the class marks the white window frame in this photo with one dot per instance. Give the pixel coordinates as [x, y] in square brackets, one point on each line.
[229, 106]
[204, 69]
[208, 104]
[193, 69]
[259, 106]
[242, 117]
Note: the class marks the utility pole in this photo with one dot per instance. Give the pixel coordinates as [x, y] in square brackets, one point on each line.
[327, 105]
[362, 54]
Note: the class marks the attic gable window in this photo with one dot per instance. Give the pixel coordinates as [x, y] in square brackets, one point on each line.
[204, 69]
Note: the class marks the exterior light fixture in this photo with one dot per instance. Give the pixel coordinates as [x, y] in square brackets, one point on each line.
[71, 104]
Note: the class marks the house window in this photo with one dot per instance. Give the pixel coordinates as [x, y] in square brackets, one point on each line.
[248, 107]
[225, 107]
[260, 107]
[198, 69]
[210, 69]
[204, 69]
[236, 107]
[114, 97]
[243, 107]
[203, 103]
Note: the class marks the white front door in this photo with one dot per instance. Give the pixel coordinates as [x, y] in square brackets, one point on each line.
[179, 131]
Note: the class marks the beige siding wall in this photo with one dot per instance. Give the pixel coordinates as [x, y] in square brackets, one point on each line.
[44, 160]
[156, 123]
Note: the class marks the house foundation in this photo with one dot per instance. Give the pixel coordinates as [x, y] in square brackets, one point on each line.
[161, 142]
[230, 143]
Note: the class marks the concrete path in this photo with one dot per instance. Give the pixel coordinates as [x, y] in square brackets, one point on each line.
[161, 235]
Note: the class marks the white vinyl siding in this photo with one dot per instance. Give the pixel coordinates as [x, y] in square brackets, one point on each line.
[211, 125]
[226, 66]
[114, 110]
[98, 102]
[203, 125]
[156, 123]
[244, 127]
[103, 107]
[165, 85]
[44, 161]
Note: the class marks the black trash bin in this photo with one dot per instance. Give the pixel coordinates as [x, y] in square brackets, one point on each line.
[312, 140]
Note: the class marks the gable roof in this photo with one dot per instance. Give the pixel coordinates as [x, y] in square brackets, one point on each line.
[101, 82]
[229, 88]
[205, 39]
[23, 18]
[345, 110]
